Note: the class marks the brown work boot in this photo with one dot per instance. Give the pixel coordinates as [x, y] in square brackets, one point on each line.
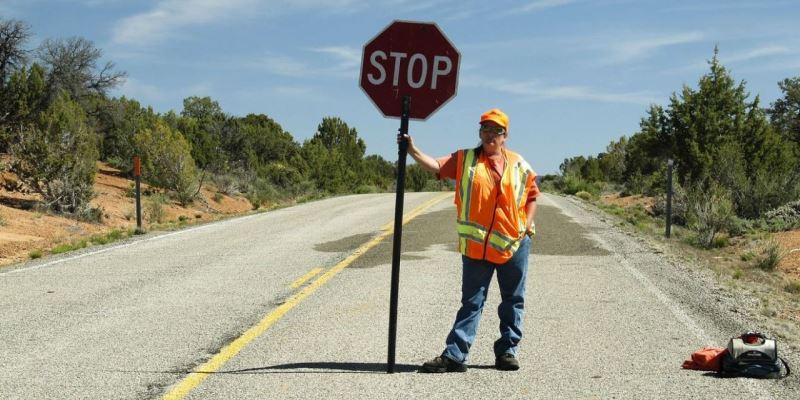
[443, 364]
[507, 362]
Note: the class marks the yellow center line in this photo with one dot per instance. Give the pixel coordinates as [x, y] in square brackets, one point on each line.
[211, 366]
[310, 274]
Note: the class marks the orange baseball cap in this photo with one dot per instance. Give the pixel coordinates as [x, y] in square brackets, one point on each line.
[496, 116]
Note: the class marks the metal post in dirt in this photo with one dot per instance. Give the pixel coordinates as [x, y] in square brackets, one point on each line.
[398, 231]
[137, 176]
[669, 197]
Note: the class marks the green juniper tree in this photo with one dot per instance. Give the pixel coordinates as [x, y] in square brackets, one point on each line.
[56, 157]
[167, 161]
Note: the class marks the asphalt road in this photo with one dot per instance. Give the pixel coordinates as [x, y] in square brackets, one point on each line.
[211, 312]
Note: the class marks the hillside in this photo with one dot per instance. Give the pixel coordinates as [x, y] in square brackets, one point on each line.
[25, 229]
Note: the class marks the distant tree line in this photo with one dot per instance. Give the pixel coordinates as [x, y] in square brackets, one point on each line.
[57, 120]
[733, 159]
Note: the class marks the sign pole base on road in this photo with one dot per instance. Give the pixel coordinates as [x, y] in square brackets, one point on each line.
[398, 231]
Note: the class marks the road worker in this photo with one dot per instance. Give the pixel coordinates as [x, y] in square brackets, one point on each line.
[496, 201]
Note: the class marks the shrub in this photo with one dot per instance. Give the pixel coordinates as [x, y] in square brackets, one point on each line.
[572, 184]
[434, 185]
[721, 241]
[362, 189]
[130, 191]
[226, 183]
[739, 226]
[306, 190]
[217, 197]
[91, 214]
[280, 175]
[636, 215]
[738, 274]
[156, 208]
[771, 256]
[63, 248]
[34, 254]
[709, 211]
[549, 183]
[109, 237]
[613, 209]
[648, 185]
[785, 217]
[167, 161]
[56, 157]
[262, 192]
[584, 195]
[792, 287]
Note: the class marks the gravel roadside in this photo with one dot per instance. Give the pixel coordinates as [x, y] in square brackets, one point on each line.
[711, 310]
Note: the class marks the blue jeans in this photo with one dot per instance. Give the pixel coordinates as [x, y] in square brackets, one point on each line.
[476, 277]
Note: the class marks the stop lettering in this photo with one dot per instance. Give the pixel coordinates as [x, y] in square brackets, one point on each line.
[416, 68]
[412, 59]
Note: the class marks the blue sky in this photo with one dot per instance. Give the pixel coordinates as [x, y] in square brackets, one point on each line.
[571, 74]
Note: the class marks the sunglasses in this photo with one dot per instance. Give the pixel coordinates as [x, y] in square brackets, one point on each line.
[496, 130]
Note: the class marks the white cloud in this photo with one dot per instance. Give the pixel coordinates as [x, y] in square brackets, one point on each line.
[728, 5]
[101, 3]
[349, 61]
[758, 52]
[539, 5]
[337, 61]
[171, 16]
[624, 51]
[348, 55]
[538, 91]
[768, 56]
[284, 66]
[463, 10]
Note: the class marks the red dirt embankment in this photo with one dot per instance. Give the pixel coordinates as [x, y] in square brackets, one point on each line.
[23, 229]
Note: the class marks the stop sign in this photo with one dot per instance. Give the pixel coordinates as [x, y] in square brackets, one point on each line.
[414, 59]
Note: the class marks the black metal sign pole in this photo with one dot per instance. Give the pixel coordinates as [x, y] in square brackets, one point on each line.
[398, 231]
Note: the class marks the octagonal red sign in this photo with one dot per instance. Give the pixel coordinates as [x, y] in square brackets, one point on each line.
[414, 59]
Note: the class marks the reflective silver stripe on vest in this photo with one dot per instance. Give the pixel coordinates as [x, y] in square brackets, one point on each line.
[470, 230]
[520, 179]
[467, 173]
[502, 243]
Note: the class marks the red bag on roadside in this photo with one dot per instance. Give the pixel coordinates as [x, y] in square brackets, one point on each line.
[706, 359]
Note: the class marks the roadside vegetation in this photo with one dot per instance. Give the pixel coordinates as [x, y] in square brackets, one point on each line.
[736, 183]
[57, 121]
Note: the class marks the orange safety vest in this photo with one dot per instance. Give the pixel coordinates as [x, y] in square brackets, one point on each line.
[491, 218]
